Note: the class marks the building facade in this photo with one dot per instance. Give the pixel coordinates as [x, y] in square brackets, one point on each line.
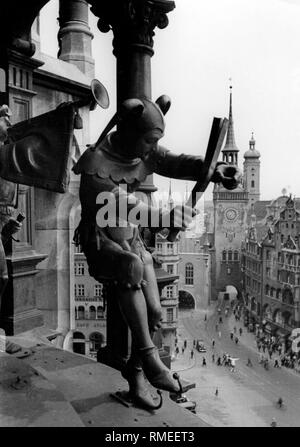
[230, 215]
[194, 272]
[271, 274]
[90, 310]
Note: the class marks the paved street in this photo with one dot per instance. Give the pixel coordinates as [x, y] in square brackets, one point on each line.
[246, 397]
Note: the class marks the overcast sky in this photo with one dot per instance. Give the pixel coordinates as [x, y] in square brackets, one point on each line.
[254, 42]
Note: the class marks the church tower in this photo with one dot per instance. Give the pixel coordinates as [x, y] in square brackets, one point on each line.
[230, 151]
[252, 172]
[229, 222]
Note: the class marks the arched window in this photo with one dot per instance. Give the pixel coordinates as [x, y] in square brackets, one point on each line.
[92, 313]
[100, 312]
[76, 313]
[252, 184]
[96, 341]
[287, 296]
[229, 255]
[80, 313]
[189, 274]
[224, 255]
[236, 255]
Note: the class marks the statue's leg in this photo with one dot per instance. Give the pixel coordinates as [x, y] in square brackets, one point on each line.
[151, 293]
[128, 269]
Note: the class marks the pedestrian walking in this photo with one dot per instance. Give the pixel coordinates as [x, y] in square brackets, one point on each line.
[219, 334]
[192, 354]
[220, 320]
[177, 350]
[217, 327]
[213, 358]
[249, 363]
[203, 361]
[231, 335]
[182, 350]
[236, 340]
[241, 331]
[219, 361]
[217, 392]
[234, 329]
[276, 364]
[205, 317]
[213, 343]
[185, 344]
[194, 343]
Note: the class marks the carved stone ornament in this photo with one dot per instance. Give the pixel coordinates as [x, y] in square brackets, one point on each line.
[132, 21]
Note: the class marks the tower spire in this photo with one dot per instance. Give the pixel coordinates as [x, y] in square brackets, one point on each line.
[170, 199]
[230, 151]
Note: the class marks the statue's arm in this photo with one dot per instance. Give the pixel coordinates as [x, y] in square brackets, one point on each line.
[169, 164]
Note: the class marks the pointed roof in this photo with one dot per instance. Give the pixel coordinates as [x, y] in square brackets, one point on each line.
[230, 144]
[170, 199]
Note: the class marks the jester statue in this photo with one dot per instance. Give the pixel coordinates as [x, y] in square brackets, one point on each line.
[118, 163]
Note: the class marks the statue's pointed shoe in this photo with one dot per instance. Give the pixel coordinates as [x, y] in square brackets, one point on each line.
[157, 373]
[138, 390]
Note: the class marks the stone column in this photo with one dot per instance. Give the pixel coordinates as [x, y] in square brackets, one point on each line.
[133, 23]
[75, 36]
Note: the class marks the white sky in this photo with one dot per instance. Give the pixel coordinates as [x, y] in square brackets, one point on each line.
[256, 43]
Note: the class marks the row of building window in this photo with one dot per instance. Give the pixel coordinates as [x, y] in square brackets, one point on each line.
[91, 314]
[80, 290]
[254, 266]
[286, 296]
[289, 259]
[230, 255]
[253, 284]
[171, 248]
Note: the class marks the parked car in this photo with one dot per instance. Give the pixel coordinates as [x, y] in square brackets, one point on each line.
[200, 346]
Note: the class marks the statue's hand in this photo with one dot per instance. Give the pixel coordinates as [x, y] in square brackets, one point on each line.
[181, 217]
[13, 226]
[10, 228]
[230, 176]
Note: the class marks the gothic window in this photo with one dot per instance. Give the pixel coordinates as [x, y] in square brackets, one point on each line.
[252, 184]
[224, 255]
[96, 340]
[159, 247]
[169, 290]
[98, 288]
[80, 314]
[79, 290]
[100, 312]
[287, 296]
[79, 268]
[229, 255]
[236, 255]
[170, 269]
[189, 274]
[92, 313]
[169, 249]
[170, 314]
[78, 249]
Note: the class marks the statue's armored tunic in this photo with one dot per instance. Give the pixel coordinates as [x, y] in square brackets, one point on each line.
[102, 169]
